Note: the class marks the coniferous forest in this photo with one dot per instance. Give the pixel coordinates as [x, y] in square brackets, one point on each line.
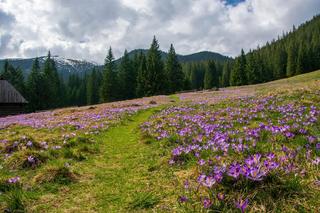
[292, 53]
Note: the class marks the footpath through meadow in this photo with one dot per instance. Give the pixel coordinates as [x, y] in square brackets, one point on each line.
[127, 175]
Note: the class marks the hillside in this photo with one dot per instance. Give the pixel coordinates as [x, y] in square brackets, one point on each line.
[253, 148]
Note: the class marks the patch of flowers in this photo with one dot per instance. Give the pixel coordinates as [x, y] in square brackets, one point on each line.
[25, 139]
[239, 143]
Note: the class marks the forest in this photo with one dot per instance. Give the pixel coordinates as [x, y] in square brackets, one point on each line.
[292, 53]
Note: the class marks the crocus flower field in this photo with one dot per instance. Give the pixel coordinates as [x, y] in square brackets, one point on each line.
[252, 152]
[245, 149]
[30, 141]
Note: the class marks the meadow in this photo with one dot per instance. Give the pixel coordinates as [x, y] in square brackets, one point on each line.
[240, 149]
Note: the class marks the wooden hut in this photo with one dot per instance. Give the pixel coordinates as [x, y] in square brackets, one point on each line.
[11, 101]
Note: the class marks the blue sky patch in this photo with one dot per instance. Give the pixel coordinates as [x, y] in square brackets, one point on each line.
[234, 2]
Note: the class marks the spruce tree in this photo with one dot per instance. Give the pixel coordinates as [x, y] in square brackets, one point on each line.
[141, 87]
[14, 76]
[175, 76]
[238, 76]
[211, 78]
[47, 74]
[291, 61]
[193, 78]
[109, 87]
[280, 63]
[53, 93]
[225, 79]
[34, 87]
[93, 84]
[126, 77]
[301, 66]
[155, 77]
[252, 69]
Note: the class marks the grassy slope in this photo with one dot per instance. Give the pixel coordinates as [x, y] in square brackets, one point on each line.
[289, 83]
[128, 175]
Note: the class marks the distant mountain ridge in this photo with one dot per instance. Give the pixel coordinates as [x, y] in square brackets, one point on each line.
[64, 66]
[71, 66]
[194, 57]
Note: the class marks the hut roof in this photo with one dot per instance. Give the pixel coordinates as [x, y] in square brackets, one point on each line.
[8, 94]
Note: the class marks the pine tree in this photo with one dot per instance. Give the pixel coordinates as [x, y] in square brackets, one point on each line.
[109, 87]
[57, 88]
[155, 77]
[93, 85]
[211, 77]
[280, 63]
[47, 71]
[186, 68]
[193, 78]
[291, 61]
[252, 69]
[34, 83]
[238, 75]
[225, 79]
[14, 76]
[301, 66]
[127, 78]
[53, 94]
[175, 76]
[141, 88]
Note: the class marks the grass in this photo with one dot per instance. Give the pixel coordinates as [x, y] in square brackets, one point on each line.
[118, 170]
[128, 174]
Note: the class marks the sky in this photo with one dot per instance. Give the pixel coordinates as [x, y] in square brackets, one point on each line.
[84, 29]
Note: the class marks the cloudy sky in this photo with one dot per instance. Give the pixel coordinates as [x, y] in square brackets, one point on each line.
[84, 29]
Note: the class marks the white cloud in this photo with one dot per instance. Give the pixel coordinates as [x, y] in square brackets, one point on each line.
[85, 29]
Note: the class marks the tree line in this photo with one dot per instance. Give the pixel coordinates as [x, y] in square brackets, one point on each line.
[144, 75]
[295, 52]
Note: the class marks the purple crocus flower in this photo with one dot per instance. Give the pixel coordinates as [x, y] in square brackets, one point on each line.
[171, 161]
[218, 177]
[256, 174]
[183, 199]
[177, 151]
[220, 196]
[242, 204]
[201, 162]
[234, 170]
[197, 154]
[29, 144]
[270, 165]
[316, 161]
[186, 184]
[253, 160]
[14, 180]
[289, 134]
[207, 203]
[270, 156]
[312, 139]
[209, 181]
[31, 159]
[201, 178]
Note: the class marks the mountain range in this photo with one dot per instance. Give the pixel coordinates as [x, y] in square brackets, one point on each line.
[67, 66]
